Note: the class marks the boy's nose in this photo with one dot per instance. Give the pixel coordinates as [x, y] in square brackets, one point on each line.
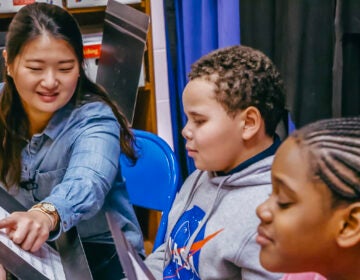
[186, 133]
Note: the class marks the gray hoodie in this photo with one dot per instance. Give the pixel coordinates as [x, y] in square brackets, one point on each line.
[212, 227]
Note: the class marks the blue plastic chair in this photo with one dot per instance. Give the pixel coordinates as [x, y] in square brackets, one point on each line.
[153, 181]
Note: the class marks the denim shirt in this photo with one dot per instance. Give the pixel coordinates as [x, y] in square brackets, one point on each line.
[74, 165]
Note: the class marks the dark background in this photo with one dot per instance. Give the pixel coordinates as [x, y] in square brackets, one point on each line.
[314, 43]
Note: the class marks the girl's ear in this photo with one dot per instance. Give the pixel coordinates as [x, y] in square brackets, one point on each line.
[349, 234]
[251, 122]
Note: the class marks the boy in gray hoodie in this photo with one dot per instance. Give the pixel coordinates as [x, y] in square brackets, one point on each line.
[233, 101]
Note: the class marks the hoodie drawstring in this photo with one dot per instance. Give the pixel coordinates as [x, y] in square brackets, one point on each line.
[217, 198]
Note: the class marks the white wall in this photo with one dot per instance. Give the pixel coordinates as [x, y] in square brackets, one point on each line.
[160, 71]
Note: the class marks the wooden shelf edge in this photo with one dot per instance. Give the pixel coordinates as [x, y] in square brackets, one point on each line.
[6, 15]
[71, 10]
[95, 9]
[85, 9]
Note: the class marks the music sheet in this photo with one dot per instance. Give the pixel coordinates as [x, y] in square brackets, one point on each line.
[46, 261]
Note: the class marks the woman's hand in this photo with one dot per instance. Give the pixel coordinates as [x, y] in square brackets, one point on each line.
[29, 230]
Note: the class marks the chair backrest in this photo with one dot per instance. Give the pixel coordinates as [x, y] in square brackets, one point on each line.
[152, 182]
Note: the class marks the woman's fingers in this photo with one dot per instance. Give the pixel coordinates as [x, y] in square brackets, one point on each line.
[38, 242]
[8, 222]
[2, 273]
[29, 230]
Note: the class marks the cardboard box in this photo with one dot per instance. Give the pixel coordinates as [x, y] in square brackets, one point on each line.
[94, 3]
[13, 6]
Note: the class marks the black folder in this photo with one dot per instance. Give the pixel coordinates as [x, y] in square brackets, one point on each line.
[122, 51]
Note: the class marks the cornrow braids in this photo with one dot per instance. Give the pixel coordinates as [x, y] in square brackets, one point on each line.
[333, 146]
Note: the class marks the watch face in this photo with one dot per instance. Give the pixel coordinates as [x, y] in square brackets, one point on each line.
[48, 207]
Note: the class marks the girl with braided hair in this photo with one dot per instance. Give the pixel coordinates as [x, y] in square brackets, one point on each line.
[311, 221]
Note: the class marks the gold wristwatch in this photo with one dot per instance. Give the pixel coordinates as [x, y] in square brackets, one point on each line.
[50, 210]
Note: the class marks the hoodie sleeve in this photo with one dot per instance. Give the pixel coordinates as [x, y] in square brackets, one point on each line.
[155, 261]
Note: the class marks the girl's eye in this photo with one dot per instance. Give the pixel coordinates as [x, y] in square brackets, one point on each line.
[283, 205]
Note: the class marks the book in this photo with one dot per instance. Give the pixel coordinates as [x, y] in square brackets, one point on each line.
[94, 3]
[8, 6]
[92, 51]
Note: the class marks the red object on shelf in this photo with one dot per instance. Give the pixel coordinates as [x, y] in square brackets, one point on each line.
[92, 51]
[23, 2]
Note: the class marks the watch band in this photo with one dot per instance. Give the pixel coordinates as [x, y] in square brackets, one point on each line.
[50, 211]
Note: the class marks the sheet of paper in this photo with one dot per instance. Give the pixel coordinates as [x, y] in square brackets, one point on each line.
[140, 273]
[47, 260]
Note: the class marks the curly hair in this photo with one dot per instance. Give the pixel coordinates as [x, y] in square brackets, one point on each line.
[244, 77]
[333, 148]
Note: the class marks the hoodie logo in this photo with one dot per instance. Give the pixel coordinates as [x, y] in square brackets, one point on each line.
[187, 266]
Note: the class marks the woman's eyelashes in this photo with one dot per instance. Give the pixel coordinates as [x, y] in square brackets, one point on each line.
[34, 68]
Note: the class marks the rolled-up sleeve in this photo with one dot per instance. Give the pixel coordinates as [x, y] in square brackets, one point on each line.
[92, 167]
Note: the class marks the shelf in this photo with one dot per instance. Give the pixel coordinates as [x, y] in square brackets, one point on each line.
[146, 87]
[7, 16]
[139, 6]
[86, 10]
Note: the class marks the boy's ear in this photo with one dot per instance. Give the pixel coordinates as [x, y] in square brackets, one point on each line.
[251, 122]
[349, 234]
